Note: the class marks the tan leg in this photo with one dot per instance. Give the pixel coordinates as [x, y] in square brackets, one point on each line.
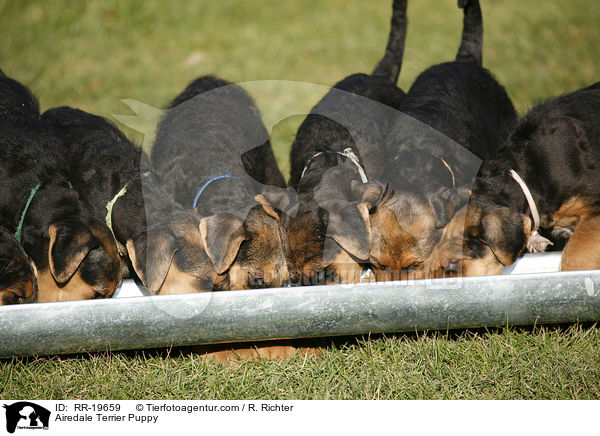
[583, 249]
[268, 350]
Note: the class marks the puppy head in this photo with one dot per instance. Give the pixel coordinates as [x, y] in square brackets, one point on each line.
[330, 234]
[306, 238]
[170, 258]
[17, 273]
[248, 253]
[479, 240]
[83, 262]
[342, 205]
[404, 231]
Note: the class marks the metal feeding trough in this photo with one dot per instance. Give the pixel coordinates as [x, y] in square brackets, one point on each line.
[530, 292]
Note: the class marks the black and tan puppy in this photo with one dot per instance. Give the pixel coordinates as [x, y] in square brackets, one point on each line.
[331, 230]
[552, 156]
[212, 152]
[74, 254]
[17, 273]
[454, 115]
[160, 239]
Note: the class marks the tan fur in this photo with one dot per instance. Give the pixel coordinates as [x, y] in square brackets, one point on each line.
[74, 289]
[450, 249]
[347, 270]
[23, 289]
[582, 252]
[267, 207]
[570, 212]
[236, 353]
[179, 282]
[401, 241]
[486, 266]
[305, 249]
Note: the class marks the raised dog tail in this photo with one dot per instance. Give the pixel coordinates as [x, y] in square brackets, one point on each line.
[471, 46]
[389, 66]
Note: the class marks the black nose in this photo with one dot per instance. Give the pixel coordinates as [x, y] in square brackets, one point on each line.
[453, 267]
[295, 277]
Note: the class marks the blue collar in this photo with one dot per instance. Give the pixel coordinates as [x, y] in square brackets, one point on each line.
[203, 187]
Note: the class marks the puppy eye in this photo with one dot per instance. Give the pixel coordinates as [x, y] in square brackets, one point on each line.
[413, 266]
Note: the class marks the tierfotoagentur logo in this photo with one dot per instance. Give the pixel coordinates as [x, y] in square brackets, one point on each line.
[24, 415]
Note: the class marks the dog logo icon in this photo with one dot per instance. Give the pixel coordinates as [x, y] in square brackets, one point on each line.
[26, 415]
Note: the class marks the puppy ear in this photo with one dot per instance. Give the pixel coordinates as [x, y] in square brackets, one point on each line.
[275, 201]
[222, 235]
[446, 201]
[348, 204]
[369, 193]
[70, 242]
[505, 232]
[151, 255]
[350, 227]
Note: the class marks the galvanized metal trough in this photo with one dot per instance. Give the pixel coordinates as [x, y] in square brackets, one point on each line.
[526, 295]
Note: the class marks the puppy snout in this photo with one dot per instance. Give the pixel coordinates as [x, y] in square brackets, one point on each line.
[453, 268]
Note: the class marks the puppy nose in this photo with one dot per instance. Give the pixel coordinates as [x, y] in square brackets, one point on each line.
[453, 267]
[295, 276]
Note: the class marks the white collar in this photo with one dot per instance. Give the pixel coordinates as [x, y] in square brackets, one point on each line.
[346, 153]
[536, 243]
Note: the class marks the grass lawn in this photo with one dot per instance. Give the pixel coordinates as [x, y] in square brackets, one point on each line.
[92, 55]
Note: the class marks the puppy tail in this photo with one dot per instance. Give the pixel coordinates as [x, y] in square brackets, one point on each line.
[471, 46]
[389, 66]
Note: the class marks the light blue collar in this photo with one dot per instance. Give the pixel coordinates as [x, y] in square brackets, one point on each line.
[203, 187]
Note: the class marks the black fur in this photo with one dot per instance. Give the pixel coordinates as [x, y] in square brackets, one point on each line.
[556, 150]
[247, 137]
[462, 101]
[355, 114]
[17, 278]
[101, 162]
[345, 107]
[214, 147]
[31, 154]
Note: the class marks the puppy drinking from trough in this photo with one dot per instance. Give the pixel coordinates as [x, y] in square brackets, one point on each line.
[73, 253]
[213, 154]
[545, 177]
[454, 115]
[335, 160]
[157, 238]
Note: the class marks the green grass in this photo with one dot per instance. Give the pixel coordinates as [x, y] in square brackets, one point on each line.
[510, 364]
[94, 54]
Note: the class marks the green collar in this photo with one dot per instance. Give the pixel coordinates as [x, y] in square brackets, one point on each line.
[109, 209]
[34, 191]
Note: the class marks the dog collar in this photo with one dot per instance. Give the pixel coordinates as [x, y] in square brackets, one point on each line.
[109, 209]
[536, 243]
[451, 172]
[203, 187]
[34, 191]
[346, 153]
